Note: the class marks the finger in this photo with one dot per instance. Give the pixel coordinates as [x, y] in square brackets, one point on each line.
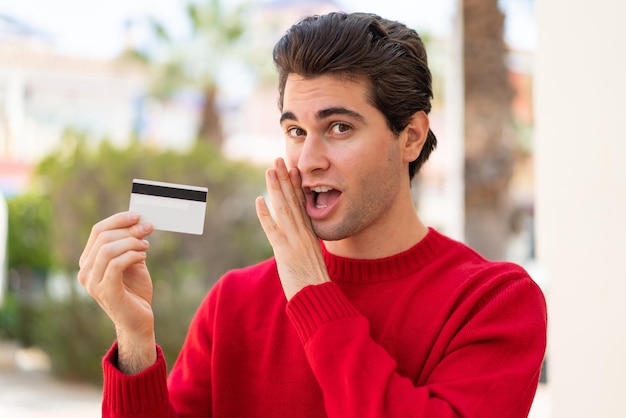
[122, 220]
[284, 198]
[269, 225]
[106, 253]
[290, 190]
[296, 182]
[276, 197]
[102, 238]
[112, 276]
[118, 220]
[110, 290]
[106, 238]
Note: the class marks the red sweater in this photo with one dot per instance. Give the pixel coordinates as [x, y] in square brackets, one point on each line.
[436, 331]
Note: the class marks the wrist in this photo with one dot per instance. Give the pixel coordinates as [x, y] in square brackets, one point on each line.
[135, 353]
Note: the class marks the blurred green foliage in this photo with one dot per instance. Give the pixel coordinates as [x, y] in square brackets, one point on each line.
[10, 318]
[86, 185]
[218, 41]
[81, 183]
[29, 257]
[29, 236]
[75, 333]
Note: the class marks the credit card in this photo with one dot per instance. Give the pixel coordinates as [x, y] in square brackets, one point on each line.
[169, 206]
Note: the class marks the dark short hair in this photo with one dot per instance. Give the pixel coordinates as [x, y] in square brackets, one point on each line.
[391, 56]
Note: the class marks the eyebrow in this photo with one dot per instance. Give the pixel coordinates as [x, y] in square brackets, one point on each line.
[325, 113]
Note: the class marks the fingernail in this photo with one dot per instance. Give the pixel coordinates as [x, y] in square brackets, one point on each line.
[144, 227]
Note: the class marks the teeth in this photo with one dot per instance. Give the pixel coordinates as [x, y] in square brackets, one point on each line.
[318, 190]
[321, 189]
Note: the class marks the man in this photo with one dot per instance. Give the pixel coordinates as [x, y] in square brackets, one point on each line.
[363, 311]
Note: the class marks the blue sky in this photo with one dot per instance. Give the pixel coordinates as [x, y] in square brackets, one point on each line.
[96, 28]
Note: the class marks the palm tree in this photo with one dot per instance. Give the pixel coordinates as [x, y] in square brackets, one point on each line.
[194, 62]
[489, 136]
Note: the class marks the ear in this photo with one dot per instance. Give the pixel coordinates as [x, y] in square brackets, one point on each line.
[414, 136]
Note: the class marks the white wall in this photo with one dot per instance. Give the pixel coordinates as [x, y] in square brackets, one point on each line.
[580, 96]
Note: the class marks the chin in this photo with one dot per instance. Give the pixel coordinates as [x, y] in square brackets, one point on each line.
[329, 233]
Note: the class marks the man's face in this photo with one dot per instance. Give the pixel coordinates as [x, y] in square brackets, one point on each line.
[350, 162]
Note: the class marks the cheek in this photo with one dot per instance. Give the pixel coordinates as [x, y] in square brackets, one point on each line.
[292, 155]
[381, 157]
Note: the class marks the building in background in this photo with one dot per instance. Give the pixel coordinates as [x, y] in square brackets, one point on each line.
[43, 93]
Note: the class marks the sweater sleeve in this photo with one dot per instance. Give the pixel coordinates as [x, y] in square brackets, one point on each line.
[154, 394]
[143, 395]
[486, 364]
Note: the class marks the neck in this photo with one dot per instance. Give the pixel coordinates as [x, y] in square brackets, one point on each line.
[373, 243]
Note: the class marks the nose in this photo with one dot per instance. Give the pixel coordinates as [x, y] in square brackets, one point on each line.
[312, 155]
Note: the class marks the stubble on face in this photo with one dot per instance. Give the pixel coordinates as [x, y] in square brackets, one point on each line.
[368, 168]
[370, 202]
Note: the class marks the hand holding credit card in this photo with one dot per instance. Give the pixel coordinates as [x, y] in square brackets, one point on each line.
[169, 206]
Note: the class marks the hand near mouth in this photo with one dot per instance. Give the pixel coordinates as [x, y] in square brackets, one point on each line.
[296, 247]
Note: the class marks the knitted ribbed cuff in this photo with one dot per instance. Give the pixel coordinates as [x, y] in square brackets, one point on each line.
[316, 305]
[138, 395]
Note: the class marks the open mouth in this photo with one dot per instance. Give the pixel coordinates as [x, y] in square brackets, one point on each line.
[320, 196]
[323, 196]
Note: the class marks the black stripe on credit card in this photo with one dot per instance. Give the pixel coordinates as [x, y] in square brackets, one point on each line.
[173, 192]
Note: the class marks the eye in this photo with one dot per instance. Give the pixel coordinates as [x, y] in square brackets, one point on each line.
[295, 132]
[340, 128]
